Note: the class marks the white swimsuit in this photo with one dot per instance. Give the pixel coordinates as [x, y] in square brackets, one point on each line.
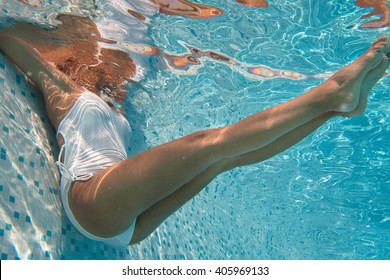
[95, 138]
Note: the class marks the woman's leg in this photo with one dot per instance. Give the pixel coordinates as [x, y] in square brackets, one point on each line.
[108, 203]
[150, 219]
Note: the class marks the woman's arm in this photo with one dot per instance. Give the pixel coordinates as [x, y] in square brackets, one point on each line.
[30, 62]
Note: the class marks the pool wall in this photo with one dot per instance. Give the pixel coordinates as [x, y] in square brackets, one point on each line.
[33, 224]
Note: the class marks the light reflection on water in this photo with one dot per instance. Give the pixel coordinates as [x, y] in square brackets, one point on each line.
[325, 198]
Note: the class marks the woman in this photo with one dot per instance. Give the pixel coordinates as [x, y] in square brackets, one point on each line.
[120, 200]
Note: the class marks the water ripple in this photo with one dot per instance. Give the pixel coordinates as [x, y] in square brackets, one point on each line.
[325, 198]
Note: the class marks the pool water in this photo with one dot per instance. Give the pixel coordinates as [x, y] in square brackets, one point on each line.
[325, 198]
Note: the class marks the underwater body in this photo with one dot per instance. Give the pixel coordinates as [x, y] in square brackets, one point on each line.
[183, 66]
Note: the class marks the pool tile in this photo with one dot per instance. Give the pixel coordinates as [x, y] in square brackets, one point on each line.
[18, 78]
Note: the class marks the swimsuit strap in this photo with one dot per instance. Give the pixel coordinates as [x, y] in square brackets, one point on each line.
[68, 174]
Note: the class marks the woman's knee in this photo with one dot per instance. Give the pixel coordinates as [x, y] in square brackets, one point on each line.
[210, 141]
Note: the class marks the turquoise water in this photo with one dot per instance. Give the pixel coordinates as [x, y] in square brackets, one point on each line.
[326, 198]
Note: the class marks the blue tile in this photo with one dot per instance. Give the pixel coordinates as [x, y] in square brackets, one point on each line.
[28, 219]
[13, 92]
[16, 215]
[18, 78]
[12, 199]
[12, 116]
[36, 184]
[41, 192]
[32, 164]
[20, 176]
[3, 156]
[2, 65]
[23, 93]
[4, 256]
[5, 129]
[1, 232]
[1, 188]
[8, 226]
[48, 233]
[21, 159]
[33, 94]
[38, 151]
[53, 191]
[28, 131]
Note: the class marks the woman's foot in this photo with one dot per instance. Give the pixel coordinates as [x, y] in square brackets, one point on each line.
[350, 86]
[369, 82]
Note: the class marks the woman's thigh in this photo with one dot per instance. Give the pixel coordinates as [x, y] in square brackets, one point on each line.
[106, 204]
